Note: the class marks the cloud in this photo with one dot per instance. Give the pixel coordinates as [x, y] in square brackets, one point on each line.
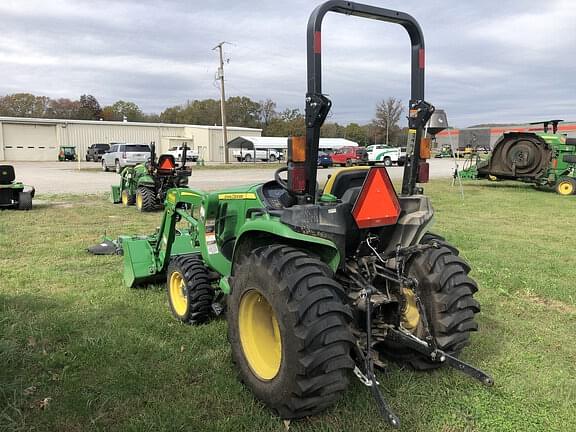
[486, 61]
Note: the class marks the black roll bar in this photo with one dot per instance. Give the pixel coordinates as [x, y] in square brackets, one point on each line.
[317, 105]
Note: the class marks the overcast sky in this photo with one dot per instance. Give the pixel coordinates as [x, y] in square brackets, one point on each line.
[489, 61]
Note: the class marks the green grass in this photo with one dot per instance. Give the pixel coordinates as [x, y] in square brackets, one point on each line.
[113, 359]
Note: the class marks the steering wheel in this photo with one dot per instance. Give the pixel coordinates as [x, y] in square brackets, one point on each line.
[283, 183]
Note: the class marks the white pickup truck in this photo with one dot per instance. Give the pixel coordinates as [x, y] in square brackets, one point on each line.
[262, 155]
[380, 153]
[191, 155]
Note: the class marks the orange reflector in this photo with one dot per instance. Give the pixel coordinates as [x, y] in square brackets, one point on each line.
[297, 149]
[425, 146]
[377, 204]
[166, 164]
[554, 163]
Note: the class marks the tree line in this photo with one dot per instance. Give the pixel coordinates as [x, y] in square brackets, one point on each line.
[240, 111]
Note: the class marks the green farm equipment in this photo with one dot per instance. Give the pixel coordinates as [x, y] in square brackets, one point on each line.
[14, 194]
[67, 153]
[318, 285]
[545, 159]
[146, 184]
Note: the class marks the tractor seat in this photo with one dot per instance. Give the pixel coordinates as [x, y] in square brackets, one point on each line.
[345, 179]
[7, 175]
[166, 165]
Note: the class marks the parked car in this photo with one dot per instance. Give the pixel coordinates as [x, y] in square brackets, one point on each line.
[388, 155]
[95, 152]
[349, 156]
[123, 155]
[245, 155]
[176, 151]
[324, 160]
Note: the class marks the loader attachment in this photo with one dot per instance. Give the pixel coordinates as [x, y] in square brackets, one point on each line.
[139, 262]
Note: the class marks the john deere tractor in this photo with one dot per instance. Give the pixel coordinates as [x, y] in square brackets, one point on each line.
[146, 184]
[545, 159]
[14, 194]
[319, 285]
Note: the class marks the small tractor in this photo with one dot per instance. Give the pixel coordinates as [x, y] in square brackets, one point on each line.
[545, 159]
[14, 194]
[146, 184]
[67, 153]
[319, 286]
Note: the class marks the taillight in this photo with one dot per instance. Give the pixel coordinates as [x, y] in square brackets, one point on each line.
[423, 172]
[296, 168]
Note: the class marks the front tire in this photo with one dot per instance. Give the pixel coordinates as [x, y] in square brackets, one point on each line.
[447, 296]
[190, 295]
[566, 186]
[145, 199]
[104, 166]
[126, 198]
[287, 327]
[247, 158]
[387, 162]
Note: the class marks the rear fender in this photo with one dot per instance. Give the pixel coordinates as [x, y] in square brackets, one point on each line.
[269, 231]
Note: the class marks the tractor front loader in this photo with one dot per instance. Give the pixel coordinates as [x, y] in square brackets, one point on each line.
[319, 285]
[146, 184]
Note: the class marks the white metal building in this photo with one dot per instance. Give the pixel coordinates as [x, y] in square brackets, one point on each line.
[29, 139]
[281, 143]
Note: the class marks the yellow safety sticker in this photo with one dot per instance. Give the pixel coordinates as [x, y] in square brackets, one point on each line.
[237, 196]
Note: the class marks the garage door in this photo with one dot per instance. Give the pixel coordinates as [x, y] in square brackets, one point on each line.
[30, 142]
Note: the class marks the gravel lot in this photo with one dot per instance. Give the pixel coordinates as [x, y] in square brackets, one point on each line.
[65, 177]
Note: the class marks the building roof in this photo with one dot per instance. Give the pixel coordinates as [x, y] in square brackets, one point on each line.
[250, 142]
[115, 123]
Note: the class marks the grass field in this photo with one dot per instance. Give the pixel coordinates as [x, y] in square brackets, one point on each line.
[80, 352]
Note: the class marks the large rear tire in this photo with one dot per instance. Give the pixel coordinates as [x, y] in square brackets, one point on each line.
[287, 326]
[24, 201]
[190, 295]
[145, 199]
[446, 293]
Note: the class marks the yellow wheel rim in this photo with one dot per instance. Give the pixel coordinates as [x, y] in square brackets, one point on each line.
[124, 198]
[178, 293]
[139, 201]
[260, 335]
[565, 188]
[410, 313]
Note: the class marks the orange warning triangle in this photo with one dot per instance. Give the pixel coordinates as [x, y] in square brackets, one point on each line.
[377, 204]
[166, 164]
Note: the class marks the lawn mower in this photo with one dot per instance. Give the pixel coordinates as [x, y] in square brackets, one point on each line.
[146, 184]
[318, 285]
[545, 159]
[14, 194]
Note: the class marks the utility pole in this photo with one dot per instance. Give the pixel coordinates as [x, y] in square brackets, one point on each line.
[222, 101]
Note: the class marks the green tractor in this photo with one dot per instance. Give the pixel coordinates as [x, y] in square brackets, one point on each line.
[318, 286]
[67, 153]
[545, 159]
[14, 194]
[146, 184]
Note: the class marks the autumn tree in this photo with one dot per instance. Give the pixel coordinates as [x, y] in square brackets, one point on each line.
[24, 105]
[242, 111]
[89, 108]
[388, 114]
[122, 109]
